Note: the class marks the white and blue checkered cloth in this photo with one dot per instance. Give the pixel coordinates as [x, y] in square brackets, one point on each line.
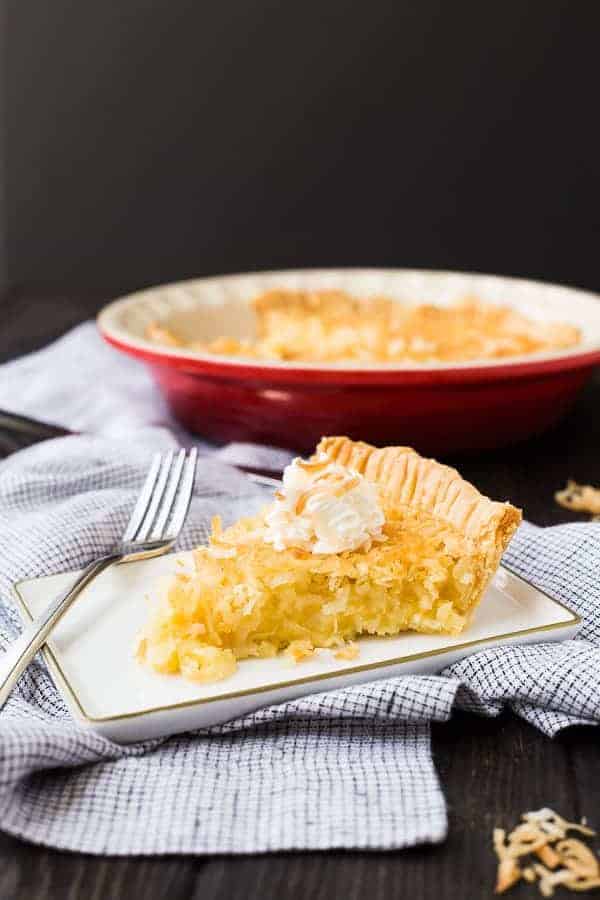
[350, 768]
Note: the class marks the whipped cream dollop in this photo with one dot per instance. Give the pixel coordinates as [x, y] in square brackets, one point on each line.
[324, 508]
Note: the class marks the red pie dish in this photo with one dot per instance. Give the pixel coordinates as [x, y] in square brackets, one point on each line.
[437, 408]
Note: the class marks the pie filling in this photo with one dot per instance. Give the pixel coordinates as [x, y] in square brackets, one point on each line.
[333, 326]
[252, 593]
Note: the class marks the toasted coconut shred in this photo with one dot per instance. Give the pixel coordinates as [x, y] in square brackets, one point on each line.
[580, 498]
[540, 851]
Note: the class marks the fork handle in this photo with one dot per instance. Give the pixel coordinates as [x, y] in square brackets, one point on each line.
[20, 653]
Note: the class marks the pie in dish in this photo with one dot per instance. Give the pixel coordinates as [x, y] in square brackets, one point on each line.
[359, 541]
[333, 326]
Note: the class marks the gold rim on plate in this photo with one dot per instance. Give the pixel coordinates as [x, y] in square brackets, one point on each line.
[54, 666]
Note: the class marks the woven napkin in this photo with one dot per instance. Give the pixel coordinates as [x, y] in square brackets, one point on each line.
[349, 768]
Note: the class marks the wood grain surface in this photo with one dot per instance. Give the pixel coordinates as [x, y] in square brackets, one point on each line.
[491, 770]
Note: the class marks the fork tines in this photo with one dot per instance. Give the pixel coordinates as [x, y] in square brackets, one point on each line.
[165, 498]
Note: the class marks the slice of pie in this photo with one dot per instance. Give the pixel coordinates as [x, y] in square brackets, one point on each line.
[359, 541]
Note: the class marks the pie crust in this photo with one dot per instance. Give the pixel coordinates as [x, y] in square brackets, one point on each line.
[415, 482]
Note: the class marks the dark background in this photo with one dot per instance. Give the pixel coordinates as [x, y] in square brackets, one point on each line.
[149, 141]
[143, 142]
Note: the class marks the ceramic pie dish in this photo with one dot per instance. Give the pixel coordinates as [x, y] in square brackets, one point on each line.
[438, 408]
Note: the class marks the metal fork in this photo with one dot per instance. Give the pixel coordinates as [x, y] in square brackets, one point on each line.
[153, 528]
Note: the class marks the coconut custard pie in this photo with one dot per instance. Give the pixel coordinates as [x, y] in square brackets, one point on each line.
[333, 326]
[358, 541]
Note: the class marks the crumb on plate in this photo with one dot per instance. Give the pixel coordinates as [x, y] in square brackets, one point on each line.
[348, 651]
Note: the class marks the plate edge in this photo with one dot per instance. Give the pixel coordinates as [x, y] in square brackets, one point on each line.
[54, 666]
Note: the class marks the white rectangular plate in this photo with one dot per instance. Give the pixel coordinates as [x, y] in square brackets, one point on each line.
[91, 653]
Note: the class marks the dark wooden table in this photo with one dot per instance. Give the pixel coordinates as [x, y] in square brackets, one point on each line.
[491, 769]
